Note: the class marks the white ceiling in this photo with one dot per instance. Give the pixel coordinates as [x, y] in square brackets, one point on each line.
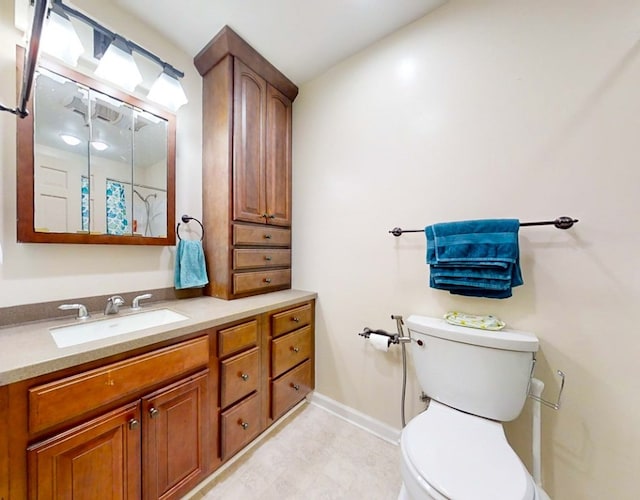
[302, 38]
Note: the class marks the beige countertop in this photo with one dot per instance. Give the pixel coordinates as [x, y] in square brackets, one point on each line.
[29, 350]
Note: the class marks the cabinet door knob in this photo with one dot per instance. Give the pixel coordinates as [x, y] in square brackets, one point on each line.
[295, 319]
[295, 387]
[272, 216]
[244, 425]
[295, 349]
[265, 215]
[267, 257]
[153, 412]
[267, 236]
[133, 423]
[267, 280]
[244, 377]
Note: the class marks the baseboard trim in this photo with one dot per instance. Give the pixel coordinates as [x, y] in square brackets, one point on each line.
[359, 419]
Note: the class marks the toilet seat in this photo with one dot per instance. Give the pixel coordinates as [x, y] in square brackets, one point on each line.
[463, 457]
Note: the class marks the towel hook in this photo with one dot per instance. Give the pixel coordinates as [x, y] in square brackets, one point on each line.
[186, 219]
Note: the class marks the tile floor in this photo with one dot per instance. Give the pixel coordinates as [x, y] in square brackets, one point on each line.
[312, 455]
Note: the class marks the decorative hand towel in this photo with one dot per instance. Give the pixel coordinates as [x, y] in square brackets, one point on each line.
[478, 258]
[190, 270]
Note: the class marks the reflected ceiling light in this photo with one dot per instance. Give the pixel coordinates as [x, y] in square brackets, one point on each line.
[167, 91]
[60, 39]
[117, 66]
[71, 140]
[99, 145]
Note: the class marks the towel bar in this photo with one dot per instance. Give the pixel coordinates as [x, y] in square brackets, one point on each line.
[186, 219]
[560, 223]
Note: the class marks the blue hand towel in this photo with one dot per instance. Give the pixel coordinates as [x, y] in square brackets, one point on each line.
[478, 258]
[190, 270]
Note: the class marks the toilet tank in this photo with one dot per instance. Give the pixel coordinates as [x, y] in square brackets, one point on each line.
[482, 372]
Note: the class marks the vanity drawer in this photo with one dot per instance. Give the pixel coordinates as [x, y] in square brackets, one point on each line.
[290, 320]
[239, 376]
[261, 280]
[239, 425]
[237, 338]
[55, 402]
[290, 388]
[248, 258]
[290, 350]
[261, 235]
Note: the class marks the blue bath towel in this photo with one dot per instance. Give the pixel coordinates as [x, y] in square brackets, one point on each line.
[478, 258]
[190, 270]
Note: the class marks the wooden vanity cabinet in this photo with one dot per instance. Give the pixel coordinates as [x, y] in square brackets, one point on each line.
[153, 423]
[247, 110]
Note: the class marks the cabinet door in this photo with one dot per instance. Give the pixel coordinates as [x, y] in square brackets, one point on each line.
[278, 158]
[174, 426]
[98, 458]
[249, 118]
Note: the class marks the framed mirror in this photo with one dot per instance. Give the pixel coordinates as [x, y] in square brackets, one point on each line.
[95, 165]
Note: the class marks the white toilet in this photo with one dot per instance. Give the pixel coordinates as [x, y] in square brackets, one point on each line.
[456, 449]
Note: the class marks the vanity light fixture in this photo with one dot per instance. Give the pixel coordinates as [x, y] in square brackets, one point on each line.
[60, 39]
[118, 66]
[71, 140]
[167, 90]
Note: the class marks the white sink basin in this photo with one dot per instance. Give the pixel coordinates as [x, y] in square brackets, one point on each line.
[80, 333]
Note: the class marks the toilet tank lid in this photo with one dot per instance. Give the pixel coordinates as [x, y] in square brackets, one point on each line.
[508, 339]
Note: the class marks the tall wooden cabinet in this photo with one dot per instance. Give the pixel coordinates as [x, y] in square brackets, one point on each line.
[246, 173]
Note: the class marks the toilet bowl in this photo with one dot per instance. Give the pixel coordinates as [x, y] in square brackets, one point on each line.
[448, 454]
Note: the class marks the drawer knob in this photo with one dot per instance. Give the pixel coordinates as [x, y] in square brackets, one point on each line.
[244, 425]
[295, 387]
[295, 319]
[153, 412]
[244, 377]
[267, 280]
[267, 258]
[295, 349]
[267, 236]
[133, 423]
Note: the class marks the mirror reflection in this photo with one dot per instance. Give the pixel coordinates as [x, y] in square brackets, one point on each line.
[100, 164]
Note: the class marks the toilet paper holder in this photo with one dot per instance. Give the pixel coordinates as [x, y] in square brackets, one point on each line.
[556, 405]
[394, 338]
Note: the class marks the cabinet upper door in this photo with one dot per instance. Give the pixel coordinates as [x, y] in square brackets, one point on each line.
[278, 158]
[249, 118]
[100, 457]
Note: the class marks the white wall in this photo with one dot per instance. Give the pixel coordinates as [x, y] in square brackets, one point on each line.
[33, 273]
[486, 108]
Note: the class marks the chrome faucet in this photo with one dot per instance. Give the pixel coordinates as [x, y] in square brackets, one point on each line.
[82, 310]
[113, 304]
[135, 306]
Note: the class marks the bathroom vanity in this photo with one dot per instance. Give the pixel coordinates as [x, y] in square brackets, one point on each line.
[149, 414]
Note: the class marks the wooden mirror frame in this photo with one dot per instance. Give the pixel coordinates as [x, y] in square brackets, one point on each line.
[25, 169]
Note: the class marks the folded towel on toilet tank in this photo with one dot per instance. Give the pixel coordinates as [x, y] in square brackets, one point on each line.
[478, 258]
